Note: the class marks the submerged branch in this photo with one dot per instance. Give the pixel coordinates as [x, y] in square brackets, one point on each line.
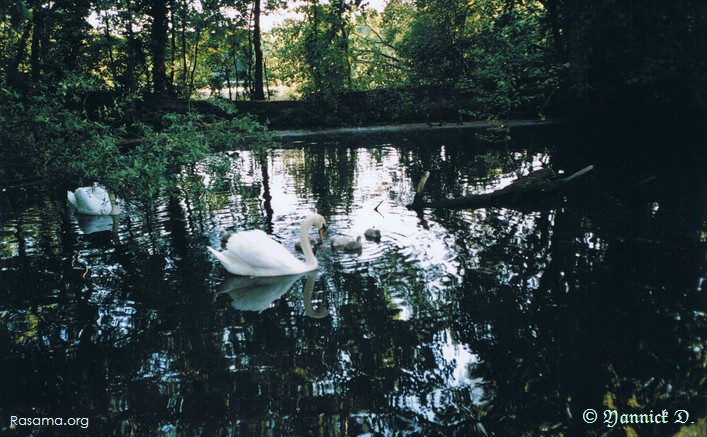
[538, 183]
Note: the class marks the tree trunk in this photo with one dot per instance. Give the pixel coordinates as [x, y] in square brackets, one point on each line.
[158, 44]
[173, 43]
[258, 79]
[524, 190]
[552, 15]
[194, 63]
[235, 68]
[109, 38]
[13, 69]
[36, 47]
[184, 47]
[227, 72]
[313, 59]
[130, 79]
[344, 43]
[265, 74]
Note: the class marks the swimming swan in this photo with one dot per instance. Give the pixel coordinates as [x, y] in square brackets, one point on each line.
[340, 241]
[353, 246]
[372, 234]
[254, 253]
[93, 201]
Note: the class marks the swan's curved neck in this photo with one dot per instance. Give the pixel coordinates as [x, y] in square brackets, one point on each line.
[311, 260]
[115, 208]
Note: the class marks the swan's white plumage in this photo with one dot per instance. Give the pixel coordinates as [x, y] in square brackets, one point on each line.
[93, 201]
[254, 253]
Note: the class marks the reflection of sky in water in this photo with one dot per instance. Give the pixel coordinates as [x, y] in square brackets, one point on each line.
[454, 384]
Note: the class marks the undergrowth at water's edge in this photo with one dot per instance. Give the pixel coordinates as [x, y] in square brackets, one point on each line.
[46, 138]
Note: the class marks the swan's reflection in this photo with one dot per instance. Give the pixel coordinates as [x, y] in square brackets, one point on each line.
[90, 224]
[256, 293]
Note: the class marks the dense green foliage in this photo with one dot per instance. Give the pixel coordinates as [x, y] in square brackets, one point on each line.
[315, 52]
[45, 138]
[423, 60]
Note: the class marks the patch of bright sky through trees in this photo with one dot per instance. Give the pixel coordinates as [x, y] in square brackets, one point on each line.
[267, 21]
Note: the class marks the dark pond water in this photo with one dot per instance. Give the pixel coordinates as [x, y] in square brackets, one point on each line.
[489, 321]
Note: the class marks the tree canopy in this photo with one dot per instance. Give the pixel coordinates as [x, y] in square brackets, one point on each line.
[515, 50]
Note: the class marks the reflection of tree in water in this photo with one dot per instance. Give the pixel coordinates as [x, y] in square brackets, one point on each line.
[327, 172]
[562, 319]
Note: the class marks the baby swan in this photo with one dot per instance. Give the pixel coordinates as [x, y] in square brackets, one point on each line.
[224, 236]
[346, 244]
[314, 243]
[340, 241]
[372, 234]
[353, 246]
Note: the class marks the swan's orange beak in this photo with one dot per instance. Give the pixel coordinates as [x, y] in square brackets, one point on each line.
[321, 233]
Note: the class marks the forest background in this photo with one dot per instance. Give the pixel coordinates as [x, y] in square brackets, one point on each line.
[114, 90]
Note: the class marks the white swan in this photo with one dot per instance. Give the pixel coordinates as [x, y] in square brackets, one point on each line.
[93, 201]
[254, 253]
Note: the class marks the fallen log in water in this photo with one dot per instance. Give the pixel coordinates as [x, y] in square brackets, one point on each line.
[537, 183]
